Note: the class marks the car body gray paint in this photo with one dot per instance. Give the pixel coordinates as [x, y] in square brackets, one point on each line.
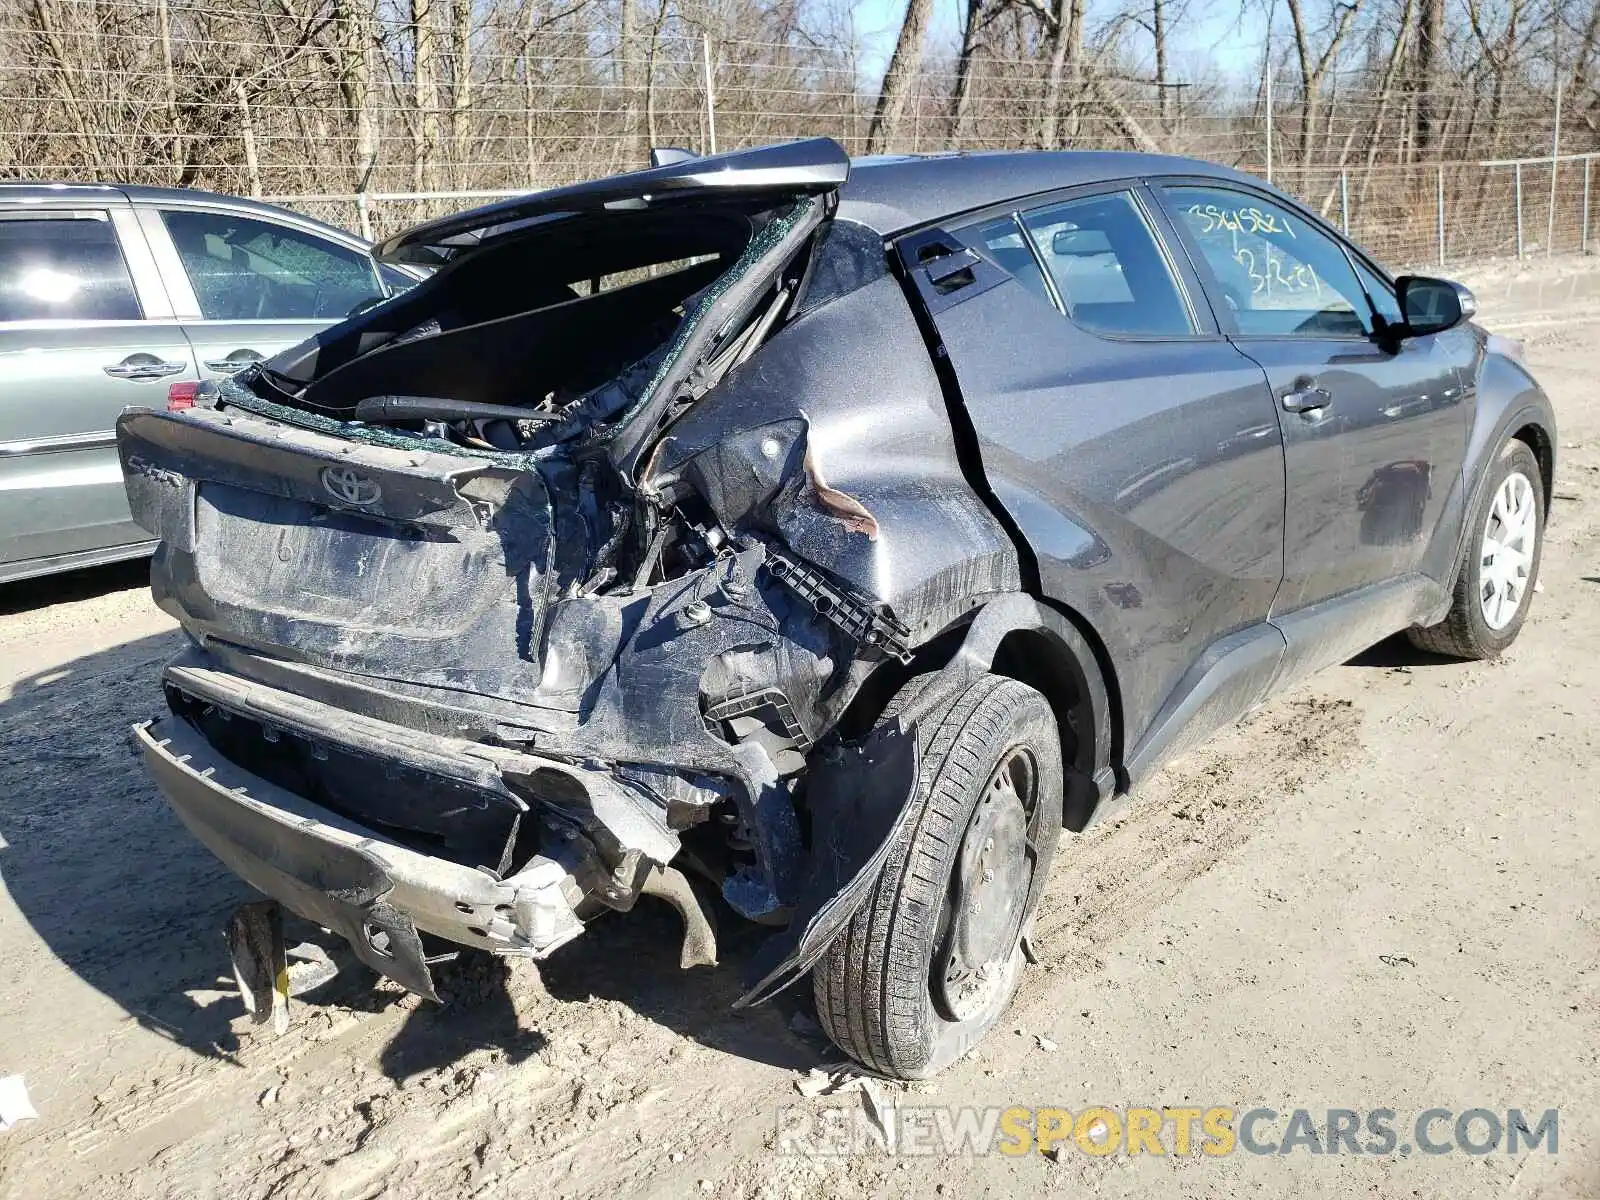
[1144, 491]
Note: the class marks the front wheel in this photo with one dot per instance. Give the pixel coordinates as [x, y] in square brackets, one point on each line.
[933, 957]
[1495, 584]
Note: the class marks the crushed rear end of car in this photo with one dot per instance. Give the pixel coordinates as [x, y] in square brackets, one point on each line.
[556, 581]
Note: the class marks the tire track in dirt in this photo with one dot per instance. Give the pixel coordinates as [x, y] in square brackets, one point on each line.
[1186, 819]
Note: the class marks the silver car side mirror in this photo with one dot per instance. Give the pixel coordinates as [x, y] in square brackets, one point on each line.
[1433, 305]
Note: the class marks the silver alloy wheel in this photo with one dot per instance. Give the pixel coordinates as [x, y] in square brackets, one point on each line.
[1506, 557]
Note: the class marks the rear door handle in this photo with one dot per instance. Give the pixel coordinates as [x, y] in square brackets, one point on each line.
[236, 361]
[1307, 400]
[952, 271]
[144, 366]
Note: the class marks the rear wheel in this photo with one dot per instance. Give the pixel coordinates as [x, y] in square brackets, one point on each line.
[1495, 584]
[934, 956]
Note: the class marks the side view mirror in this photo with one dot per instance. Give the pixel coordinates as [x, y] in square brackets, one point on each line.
[1433, 305]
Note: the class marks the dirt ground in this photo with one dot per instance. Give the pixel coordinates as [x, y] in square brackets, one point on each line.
[1380, 890]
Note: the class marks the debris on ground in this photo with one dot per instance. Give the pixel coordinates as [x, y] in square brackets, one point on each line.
[1394, 960]
[14, 1103]
[841, 1079]
[831, 1080]
[872, 1101]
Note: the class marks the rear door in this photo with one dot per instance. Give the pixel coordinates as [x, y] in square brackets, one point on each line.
[1136, 449]
[86, 330]
[1374, 430]
[247, 286]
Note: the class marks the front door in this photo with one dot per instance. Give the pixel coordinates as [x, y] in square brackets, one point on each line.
[1133, 446]
[79, 342]
[1374, 430]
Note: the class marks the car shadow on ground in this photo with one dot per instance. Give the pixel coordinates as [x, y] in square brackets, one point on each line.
[631, 959]
[1397, 653]
[95, 862]
[29, 594]
[118, 891]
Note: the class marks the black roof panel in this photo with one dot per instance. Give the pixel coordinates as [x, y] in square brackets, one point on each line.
[893, 194]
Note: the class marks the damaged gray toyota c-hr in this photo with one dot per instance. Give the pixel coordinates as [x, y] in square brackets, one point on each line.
[833, 537]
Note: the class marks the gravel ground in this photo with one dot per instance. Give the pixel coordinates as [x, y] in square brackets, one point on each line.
[1380, 890]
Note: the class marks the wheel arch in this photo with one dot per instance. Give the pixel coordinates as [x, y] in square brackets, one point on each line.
[1538, 439]
[1049, 648]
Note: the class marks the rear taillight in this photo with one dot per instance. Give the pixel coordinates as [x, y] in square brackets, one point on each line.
[181, 396]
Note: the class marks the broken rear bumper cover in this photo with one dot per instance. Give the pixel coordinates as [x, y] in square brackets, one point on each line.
[371, 890]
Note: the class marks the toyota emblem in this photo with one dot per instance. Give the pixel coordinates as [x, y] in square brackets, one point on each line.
[350, 487]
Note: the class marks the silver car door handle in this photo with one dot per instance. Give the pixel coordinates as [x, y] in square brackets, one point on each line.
[238, 360]
[154, 368]
[1307, 399]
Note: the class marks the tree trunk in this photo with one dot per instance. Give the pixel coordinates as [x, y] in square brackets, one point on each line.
[1386, 89]
[960, 97]
[461, 88]
[1425, 72]
[652, 134]
[68, 79]
[247, 132]
[1314, 70]
[1158, 30]
[425, 95]
[170, 80]
[897, 80]
[355, 34]
[529, 139]
[1066, 69]
[632, 142]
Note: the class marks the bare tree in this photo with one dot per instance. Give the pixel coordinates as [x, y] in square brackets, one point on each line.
[1065, 41]
[355, 52]
[1425, 74]
[425, 91]
[1314, 63]
[900, 78]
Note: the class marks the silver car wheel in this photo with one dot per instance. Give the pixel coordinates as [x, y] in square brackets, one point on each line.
[1509, 536]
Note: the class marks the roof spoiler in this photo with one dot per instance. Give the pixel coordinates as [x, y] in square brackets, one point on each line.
[801, 168]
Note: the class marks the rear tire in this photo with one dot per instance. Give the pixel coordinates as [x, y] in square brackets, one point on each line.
[1495, 583]
[933, 957]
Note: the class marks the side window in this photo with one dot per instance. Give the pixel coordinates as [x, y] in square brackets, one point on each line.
[1107, 267]
[243, 269]
[1277, 274]
[66, 267]
[1380, 293]
[395, 280]
[1001, 242]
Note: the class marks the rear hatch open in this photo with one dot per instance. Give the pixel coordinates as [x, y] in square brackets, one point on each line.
[430, 553]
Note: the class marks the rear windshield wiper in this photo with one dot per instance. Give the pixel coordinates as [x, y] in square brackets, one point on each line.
[439, 408]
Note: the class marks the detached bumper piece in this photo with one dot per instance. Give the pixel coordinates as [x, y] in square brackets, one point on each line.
[375, 893]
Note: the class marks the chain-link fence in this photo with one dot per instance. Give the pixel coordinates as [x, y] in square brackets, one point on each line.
[375, 114]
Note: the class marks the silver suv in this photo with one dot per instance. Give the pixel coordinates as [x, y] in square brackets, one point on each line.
[118, 296]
